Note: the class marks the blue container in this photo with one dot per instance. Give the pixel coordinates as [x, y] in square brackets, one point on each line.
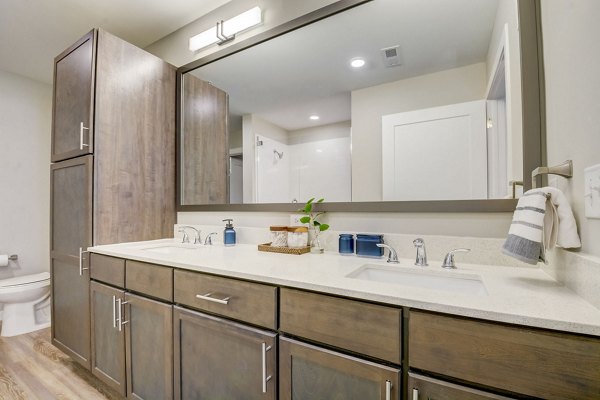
[366, 245]
[346, 244]
[229, 233]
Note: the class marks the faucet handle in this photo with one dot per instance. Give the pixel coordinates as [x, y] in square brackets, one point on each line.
[392, 255]
[208, 239]
[449, 259]
[186, 238]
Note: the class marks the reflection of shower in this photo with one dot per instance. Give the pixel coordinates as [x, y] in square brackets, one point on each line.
[278, 155]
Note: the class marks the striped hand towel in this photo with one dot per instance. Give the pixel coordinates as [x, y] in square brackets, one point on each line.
[543, 218]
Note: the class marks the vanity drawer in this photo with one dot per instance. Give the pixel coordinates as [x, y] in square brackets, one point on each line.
[533, 362]
[149, 279]
[357, 326]
[422, 387]
[245, 301]
[107, 269]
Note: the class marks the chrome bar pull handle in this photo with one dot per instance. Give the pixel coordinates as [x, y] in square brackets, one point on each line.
[388, 390]
[208, 297]
[81, 129]
[81, 268]
[120, 304]
[415, 394]
[265, 378]
[114, 311]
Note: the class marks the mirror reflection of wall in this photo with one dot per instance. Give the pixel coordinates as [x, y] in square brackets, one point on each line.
[283, 166]
[418, 55]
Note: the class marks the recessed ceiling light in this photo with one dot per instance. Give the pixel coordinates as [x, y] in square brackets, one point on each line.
[357, 62]
[314, 117]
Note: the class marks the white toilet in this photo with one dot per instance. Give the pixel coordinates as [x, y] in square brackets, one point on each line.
[23, 297]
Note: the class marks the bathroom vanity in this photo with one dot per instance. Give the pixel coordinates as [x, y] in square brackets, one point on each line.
[244, 324]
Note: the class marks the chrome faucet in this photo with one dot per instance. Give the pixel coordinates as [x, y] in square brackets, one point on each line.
[186, 239]
[421, 259]
[208, 239]
[392, 255]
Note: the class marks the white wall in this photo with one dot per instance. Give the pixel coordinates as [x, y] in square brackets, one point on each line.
[475, 225]
[272, 173]
[452, 86]
[316, 162]
[253, 125]
[25, 120]
[321, 169]
[174, 47]
[572, 65]
[321, 132]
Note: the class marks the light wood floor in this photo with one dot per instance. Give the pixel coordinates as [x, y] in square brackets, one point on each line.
[31, 368]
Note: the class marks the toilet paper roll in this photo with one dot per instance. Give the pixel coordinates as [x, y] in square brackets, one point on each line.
[3, 260]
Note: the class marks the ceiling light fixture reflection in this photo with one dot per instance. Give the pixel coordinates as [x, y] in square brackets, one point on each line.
[314, 117]
[357, 62]
[225, 31]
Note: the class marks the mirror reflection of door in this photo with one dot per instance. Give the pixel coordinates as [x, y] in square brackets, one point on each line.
[236, 187]
[435, 153]
[204, 143]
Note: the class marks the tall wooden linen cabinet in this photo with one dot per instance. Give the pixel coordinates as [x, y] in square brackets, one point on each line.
[113, 171]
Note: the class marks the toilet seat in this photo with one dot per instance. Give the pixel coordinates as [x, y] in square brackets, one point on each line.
[24, 280]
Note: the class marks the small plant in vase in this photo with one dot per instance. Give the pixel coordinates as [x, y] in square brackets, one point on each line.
[311, 218]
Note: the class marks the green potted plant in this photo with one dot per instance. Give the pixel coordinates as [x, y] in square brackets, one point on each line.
[315, 226]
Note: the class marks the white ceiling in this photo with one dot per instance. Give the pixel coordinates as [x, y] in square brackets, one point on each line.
[306, 71]
[33, 32]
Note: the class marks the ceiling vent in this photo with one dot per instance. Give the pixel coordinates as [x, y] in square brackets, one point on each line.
[392, 56]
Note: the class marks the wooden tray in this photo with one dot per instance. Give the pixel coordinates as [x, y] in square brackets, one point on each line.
[285, 250]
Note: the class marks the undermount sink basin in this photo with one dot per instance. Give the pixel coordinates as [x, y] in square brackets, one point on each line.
[447, 281]
[172, 248]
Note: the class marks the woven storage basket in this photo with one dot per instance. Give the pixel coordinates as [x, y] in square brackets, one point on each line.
[285, 250]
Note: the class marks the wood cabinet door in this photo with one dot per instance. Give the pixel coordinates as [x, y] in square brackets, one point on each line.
[134, 144]
[72, 123]
[308, 372]
[425, 388]
[71, 233]
[71, 310]
[108, 336]
[149, 348]
[220, 359]
[71, 207]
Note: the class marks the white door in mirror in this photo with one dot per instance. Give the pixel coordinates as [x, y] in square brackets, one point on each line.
[592, 191]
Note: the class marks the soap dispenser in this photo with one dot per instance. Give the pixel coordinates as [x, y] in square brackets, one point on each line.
[229, 233]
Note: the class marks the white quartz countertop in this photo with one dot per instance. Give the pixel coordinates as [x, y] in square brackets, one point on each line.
[518, 295]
